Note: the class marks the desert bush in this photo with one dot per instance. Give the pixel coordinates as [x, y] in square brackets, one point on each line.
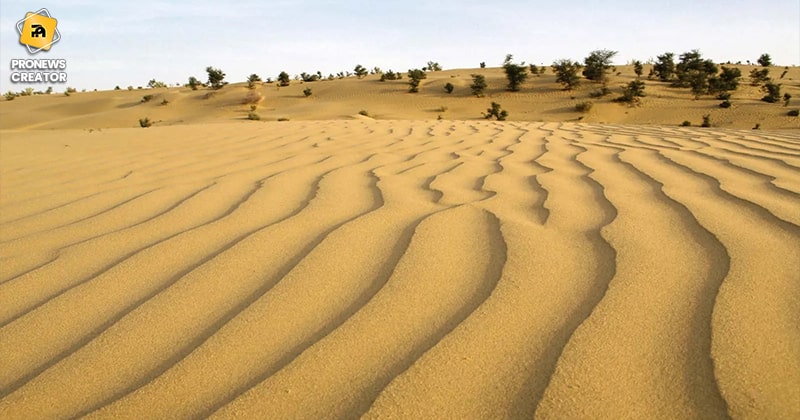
[706, 121]
[448, 87]
[10, 95]
[363, 112]
[638, 68]
[664, 68]
[765, 60]
[773, 92]
[253, 97]
[153, 83]
[599, 93]
[415, 77]
[360, 71]
[534, 69]
[483, 64]
[164, 102]
[432, 66]
[117, 87]
[567, 73]
[759, 76]
[584, 106]
[632, 92]
[145, 122]
[253, 116]
[724, 96]
[686, 123]
[147, 98]
[597, 64]
[786, 98]
[725, 104]
[71, 90]
[478, 85]
[253, 107]
[307, 92]
[283, 79]
[728, 79]
[694, 72]
[216, 77]
[130, 87]
[50, 90]
[252, 80]
[496, 112]
[757, 126]
[282, 119]
[793, 113]
[515, 73]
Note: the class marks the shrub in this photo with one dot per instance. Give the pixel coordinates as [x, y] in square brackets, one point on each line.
[10, 95]
[483, 64]
[390, 75]
[153, 83]
[534, 69]
[786, 98]
[282, 119]
[415, 76]
[117, 87]
[448, 87]
[597, 65]
[145, 122]
[793, 113]
[706, 121]
[71, 90]
[773, 92]
[253, 116]
[632, 92]
[515, 73]
[130, 87]
[283, 79]
[725, 104]
[759, 76]
[164, 102]
[478, 84]
[433, 66]
[216, 77]
[252, 80]
[364, 113]
[694, 72]
[664, 68]
[252, 97]
[584, 106]
[50, 90]
[253, 107]
[360, 71]
[567, 73]
[147, 98]
[724, 96]
[638, 68]
[310, 77]
[307, 92]
[497, 112]
[686, 124]
[757, 126]
[728, 79]
[599, 93]
[765, 60]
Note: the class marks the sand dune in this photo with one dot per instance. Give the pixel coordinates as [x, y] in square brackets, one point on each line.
[400, 269]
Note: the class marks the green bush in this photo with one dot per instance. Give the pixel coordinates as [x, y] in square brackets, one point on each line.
[793, 113]
[597, 65]
[153, 83]
[147, 98]
[664, 68]
[773, 92]
[725, 104]
[448, 87]
[686, 123]
[10, 95]
[638, 68]
[567, 73]
[415, 76]
[765, 60]
[360, 71]
[216, 77]
[759, 76]
[496, 111]
[252, 80]
[632, 92]
[283, 79]
[478, 85]
[364, 113]
[515, 73]
[145, 122]
[433, 66]
[787, 97]
[307, 92]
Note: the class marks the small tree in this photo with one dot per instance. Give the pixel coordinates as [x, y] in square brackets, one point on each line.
[567, 73]
[283, 79]
[664, 68]
[534, 70]
[360, 71]
[478, 85]
[773, 92]
[193, 83]
[483, 64]
[727, 80]
[448, 87]
[496, 111]
[638, 68]
[215, 78]
[515, 73]
[597, 65]
[693, 71]
[632, 92]
[433, 66]
[759, 76]
[415, 77]
[765, 60]
[252, 80]
[307, 92]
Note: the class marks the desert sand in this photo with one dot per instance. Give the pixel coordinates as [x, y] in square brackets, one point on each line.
[398, 266]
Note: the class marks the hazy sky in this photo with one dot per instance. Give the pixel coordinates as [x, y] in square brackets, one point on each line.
[108, 43]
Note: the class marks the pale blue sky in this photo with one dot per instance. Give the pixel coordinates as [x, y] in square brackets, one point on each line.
[108, 43]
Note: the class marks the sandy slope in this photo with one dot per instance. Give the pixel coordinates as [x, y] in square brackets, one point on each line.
[400, 269]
